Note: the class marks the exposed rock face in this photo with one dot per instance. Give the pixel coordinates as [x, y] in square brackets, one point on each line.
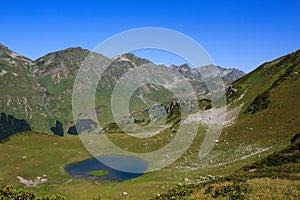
[83, 125]
[156, 112]
[40, 91]
[185, 70]
[173, 106]
[10, 125]
[233, 74]
[195, 73]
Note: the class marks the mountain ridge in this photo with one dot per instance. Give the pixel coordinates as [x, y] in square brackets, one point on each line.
[263, 108]
[195, 73]
[48, 83]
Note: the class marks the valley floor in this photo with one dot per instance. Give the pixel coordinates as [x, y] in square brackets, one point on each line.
[43, 156]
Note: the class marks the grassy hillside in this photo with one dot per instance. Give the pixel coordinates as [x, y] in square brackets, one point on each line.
[40, 91]
[55, 73]
[266, 101]
[276, 176]
[20, 94]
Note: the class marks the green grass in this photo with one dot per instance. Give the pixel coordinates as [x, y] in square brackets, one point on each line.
[34, 154]
[260, 134]
[98, 173]
[30, 155]
[279, 168]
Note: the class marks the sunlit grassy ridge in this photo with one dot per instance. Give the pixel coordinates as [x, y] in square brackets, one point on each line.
[269, 127]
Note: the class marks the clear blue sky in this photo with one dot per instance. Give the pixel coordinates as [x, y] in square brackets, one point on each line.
[241, 34]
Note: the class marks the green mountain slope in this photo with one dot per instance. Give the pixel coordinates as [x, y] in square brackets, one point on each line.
[20, 94]
[55, 74]
[267, 105]
[263, 115]
[40, 91]
[273, 177]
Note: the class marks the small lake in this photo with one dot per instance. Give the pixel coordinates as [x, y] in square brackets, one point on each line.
[128, 167]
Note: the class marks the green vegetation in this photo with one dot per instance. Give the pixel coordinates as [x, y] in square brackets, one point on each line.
[29, 150]
[204, 104]
[9, 192]
[268, 99]
[235, 190]
[98, 173]
[271, 94]
[40, 91]
[282, 166]
[35, 154]
[260, 102]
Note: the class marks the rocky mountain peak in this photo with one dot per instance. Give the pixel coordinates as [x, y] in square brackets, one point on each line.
[133, 59]
[195, 73]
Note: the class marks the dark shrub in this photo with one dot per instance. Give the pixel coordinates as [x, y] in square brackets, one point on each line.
[58, 128]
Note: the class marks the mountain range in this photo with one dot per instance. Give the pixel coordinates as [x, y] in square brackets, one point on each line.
[40, 91]
[257, 151]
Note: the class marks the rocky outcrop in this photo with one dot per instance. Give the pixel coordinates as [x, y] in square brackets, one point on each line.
[231, 74]
[83, 125]
[42, 89]
[173, 107]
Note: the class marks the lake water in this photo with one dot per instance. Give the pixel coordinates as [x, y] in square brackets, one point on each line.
[129, 165]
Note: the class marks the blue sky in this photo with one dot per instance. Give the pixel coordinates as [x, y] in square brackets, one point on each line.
[241, 34]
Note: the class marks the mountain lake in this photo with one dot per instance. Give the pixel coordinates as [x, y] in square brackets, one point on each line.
[124, 168]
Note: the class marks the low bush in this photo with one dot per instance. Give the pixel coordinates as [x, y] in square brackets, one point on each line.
[8, 192]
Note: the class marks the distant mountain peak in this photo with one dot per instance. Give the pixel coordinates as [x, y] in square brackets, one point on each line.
[41, 92]
[130, 57]
[195, 73]
[231, 73]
